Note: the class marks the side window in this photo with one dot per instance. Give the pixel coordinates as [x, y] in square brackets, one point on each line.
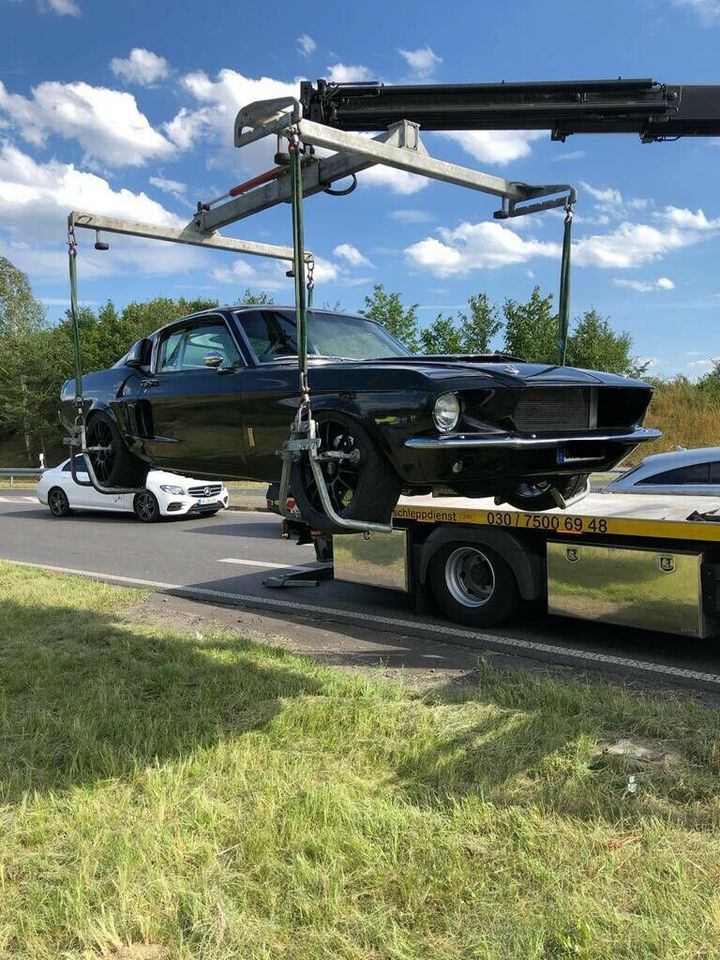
[209, 338]
[715, 472]
[170, 352]
[79, 466]
[694, 473]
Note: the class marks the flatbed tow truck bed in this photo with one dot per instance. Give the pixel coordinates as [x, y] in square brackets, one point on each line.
[639, 560]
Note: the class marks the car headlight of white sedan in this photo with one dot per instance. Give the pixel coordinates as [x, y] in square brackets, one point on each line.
[175, 491]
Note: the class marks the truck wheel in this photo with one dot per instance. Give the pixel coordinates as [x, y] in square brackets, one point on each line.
[537, 496]
[362, 488]
[473, 585]
[114, 465]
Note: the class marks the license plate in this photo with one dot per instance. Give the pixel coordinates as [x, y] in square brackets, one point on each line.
[203, 500]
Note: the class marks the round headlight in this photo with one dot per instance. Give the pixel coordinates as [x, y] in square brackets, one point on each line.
[446, 412]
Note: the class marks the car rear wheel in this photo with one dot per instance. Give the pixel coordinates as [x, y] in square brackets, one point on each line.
[362, 487]
[58, 502]
[146, 507]
[113, 464]
[473, 585]
[538, 496]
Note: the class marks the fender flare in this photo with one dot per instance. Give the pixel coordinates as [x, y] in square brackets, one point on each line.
[526, 563]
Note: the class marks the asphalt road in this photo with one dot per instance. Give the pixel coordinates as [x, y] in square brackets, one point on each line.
[224, 560]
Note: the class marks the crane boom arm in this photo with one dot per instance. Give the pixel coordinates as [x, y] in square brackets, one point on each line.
[655, 111]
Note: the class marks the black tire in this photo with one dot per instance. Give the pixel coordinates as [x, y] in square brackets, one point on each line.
[537, 496]
[58, 502]
[473, 585]
[114, 466]
[146, 507]
[367, 489]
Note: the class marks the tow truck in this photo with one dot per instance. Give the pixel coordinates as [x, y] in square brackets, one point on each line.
[653, 563]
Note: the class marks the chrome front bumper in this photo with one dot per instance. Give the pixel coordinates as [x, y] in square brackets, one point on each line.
[505, 441]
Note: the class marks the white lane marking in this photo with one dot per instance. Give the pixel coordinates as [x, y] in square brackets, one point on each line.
[267, 564]
[409, 626]
[19, 500]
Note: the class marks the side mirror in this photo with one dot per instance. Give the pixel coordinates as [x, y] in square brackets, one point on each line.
[139, 354]
[213, 359]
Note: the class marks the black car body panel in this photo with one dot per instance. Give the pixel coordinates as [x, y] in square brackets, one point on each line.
[518, 420]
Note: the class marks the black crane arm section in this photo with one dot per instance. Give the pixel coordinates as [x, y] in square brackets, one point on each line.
[655, 111]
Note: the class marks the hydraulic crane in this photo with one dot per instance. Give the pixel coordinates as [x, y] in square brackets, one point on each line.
[655, 111]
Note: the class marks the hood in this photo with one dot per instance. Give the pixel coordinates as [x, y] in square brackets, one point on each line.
[507, 370]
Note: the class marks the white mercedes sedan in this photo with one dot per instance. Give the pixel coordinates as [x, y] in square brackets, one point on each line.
[164, 495]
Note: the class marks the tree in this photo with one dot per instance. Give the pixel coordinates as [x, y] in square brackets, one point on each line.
[594, 344]
[20, 312]
[442, 336]
[481, 326]
[22, 319]
[387, 309]
[531, 328]
[259, 298]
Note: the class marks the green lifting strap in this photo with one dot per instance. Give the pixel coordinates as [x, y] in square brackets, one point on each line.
[564, 297]
[72, 263]
[299, 260]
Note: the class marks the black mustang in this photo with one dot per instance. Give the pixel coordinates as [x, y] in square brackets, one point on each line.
[214, 394]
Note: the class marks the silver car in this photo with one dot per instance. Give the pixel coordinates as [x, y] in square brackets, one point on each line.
[693, 473]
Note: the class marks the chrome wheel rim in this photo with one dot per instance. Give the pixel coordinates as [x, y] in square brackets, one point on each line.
[469, 577]
[145, 506]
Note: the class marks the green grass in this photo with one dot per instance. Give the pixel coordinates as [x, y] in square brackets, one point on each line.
[178, 796]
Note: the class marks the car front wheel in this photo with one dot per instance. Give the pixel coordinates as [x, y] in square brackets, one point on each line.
[538, 496]
[146, 507]
[113, 464]
[361, 486]
[58, 502]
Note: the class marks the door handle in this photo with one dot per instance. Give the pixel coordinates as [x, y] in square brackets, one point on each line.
[149, 383]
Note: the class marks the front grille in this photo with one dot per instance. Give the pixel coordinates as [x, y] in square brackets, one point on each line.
[208, 490]
[552, 409]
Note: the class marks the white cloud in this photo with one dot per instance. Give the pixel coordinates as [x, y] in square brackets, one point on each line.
[35, 199]
[106, 123]
[172, 187]
[220, 101]
[423, 62]
[707, 10]
[64, 8]
[645, 286]
[494, 146]
[475, 246]
[607, 196]
[570, 155]
[142, 66]
[346, 251]
[345, 73]
[399, 181]
[272, 275]
[409, 215]
[632, 244]
[306, 45]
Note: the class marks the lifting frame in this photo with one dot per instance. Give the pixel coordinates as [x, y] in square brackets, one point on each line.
[302, 174]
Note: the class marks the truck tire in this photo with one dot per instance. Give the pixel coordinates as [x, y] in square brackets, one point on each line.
[473, 585]
[365, 489]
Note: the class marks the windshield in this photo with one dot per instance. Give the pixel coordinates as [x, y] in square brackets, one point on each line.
[273, 334]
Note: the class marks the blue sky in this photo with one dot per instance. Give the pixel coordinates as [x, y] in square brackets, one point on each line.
[127, 109]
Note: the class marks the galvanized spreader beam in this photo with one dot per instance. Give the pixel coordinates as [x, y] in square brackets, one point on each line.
[399, 147]
[189, 234]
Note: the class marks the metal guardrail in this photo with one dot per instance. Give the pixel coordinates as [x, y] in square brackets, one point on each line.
[21, 473]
